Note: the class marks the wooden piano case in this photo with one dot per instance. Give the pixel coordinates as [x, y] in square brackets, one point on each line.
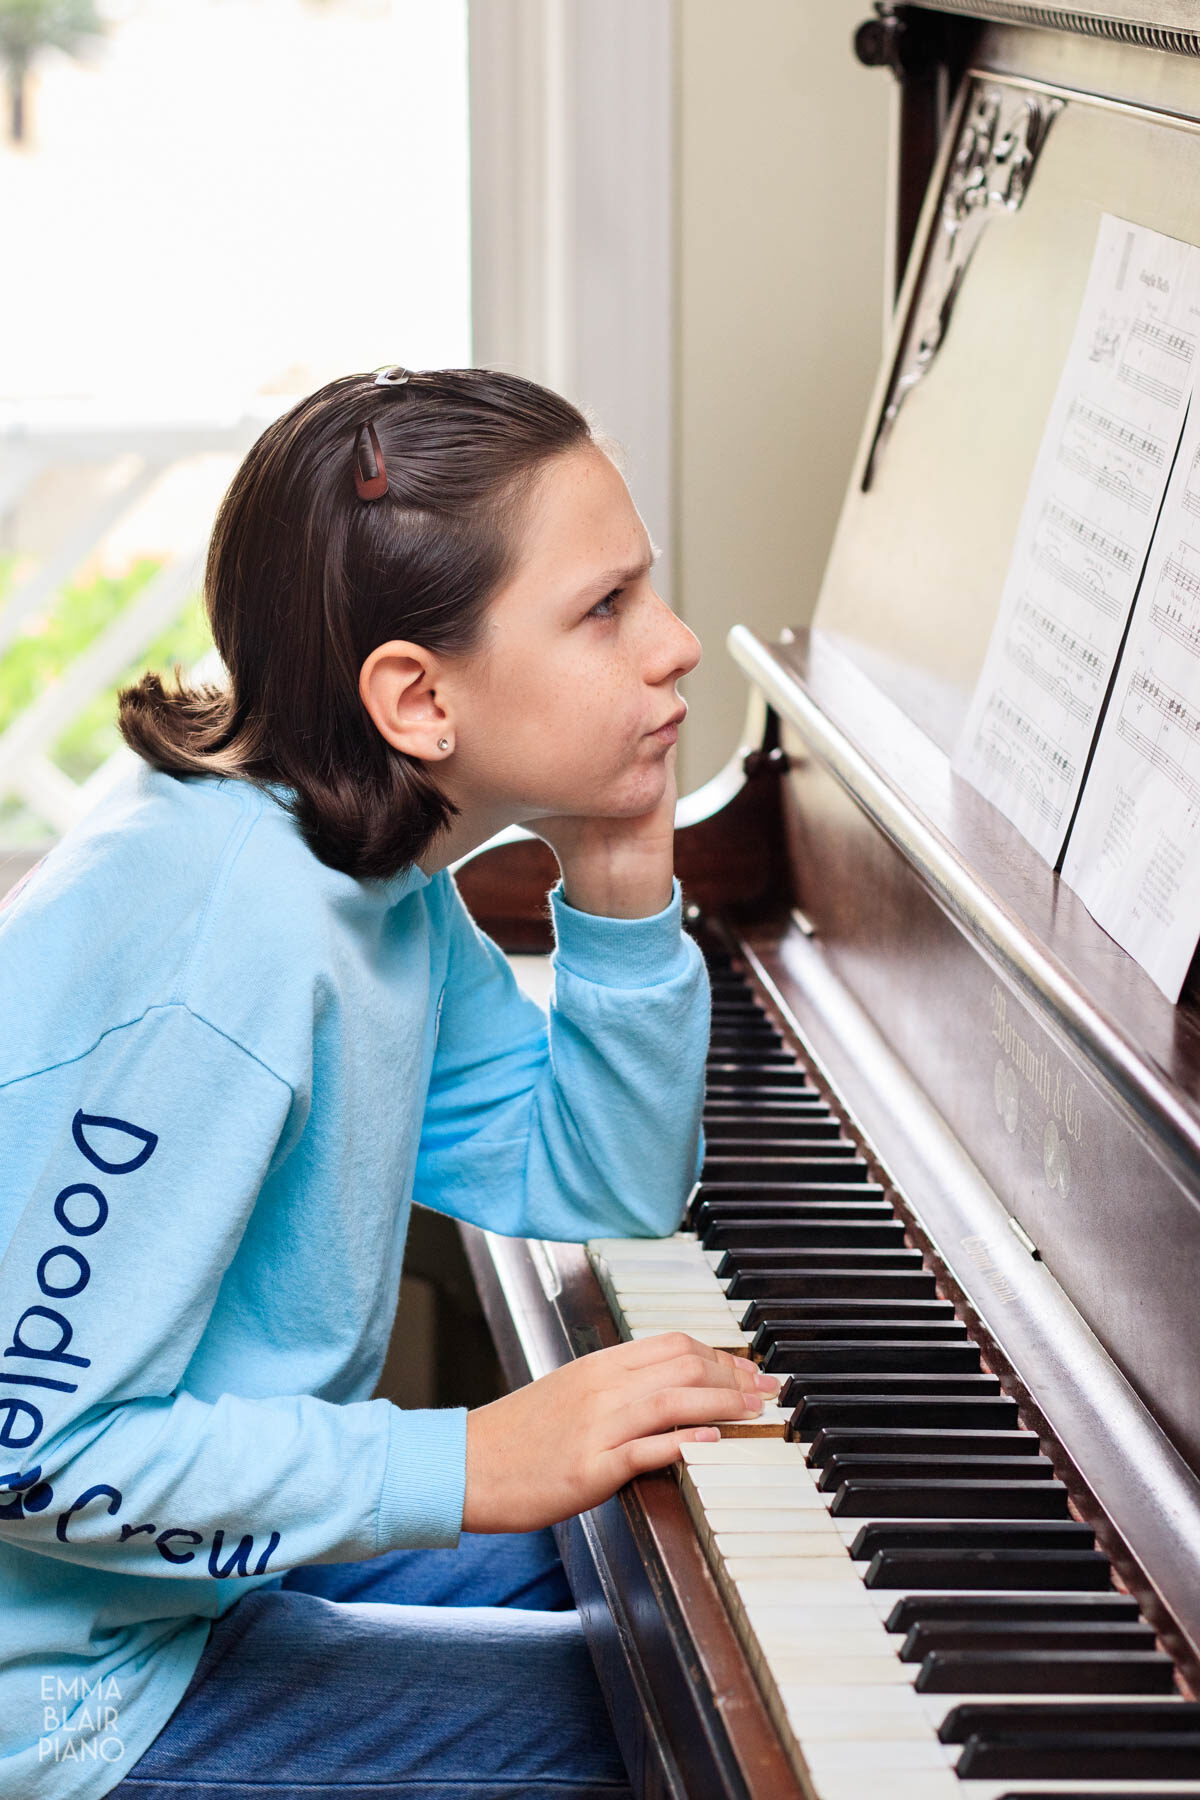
[898, 929]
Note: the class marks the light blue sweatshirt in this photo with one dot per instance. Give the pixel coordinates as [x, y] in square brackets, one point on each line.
[226, 1070]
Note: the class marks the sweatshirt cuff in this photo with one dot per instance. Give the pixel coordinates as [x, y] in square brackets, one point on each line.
[622, 953]
[424, 1480]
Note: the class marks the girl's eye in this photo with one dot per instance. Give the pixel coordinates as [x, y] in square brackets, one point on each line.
[606, 608]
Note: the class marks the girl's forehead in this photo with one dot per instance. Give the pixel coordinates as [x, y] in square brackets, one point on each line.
[582, 515]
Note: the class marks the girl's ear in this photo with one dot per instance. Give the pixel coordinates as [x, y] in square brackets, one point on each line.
[398, 687]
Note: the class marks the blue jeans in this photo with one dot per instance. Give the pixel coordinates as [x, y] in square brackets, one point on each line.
[423, 1674]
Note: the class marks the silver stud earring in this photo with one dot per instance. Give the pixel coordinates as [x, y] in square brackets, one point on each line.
[443, 743]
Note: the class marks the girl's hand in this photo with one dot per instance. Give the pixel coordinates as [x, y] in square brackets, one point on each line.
[569, 1441]
[621, 868]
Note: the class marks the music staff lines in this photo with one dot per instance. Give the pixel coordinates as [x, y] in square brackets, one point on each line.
[1084, 655]
[1167, 341]
[1078, 583]
[1090, 537]
[1022, 657]
[1141, 444]
[1173, 707]
[1109, 481]
[1009, 720]
[1160, 759]
[1174, 626]
[996, 754]
[1150, 385]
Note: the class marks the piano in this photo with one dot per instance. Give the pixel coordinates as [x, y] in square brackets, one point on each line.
[952, 1181]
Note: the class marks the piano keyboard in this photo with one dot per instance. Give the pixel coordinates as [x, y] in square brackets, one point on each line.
[926, 1617]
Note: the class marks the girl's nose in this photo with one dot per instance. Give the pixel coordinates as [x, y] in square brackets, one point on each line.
[677, 649]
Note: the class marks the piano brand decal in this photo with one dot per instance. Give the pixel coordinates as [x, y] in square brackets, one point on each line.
[81, 1210]
[980, 1253]
[1021, 1066]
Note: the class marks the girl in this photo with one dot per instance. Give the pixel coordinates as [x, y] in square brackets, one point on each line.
[246, 1021]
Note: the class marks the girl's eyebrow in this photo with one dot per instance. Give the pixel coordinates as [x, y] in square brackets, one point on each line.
[612, 577]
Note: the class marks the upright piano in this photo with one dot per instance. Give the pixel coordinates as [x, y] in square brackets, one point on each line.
[952, 1184]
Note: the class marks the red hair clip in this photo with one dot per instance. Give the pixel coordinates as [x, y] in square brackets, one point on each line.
[370, 476]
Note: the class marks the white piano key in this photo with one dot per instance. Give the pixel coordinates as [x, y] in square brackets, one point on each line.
[799, 1590]
[794, 1578]
[768, 1451]
[899, 1756]
[772, 1421]
[834, 1669]
[696, 1324]
[716, 1338]
[661, 1301]
[837, 1638]
[747, 1486]
[801, 1512]
[740, 1552]
[810, 1628]
[859, 1723]
[925, 1784]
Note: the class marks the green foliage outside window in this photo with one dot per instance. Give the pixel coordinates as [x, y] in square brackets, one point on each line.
[51, 641]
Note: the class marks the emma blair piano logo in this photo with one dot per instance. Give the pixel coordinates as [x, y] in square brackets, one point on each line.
[80, 1719]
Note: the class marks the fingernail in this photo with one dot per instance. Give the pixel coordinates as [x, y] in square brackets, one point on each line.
[753, 1402]
[707, 1434]
[769, 1382]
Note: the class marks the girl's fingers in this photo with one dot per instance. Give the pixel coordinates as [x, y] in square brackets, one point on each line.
[695, 1371]
[668, 1409]
[669, 1345]
[657, 1452]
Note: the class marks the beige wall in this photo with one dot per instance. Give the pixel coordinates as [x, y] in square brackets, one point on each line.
[782, 175]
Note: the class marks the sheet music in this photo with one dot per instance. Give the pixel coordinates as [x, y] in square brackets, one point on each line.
[1085, 529]
[1134, 852]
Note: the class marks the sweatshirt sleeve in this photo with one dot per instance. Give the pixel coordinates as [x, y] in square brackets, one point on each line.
[583, 1123]
[137, 1168]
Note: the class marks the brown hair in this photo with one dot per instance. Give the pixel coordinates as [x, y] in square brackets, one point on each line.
[304, 580]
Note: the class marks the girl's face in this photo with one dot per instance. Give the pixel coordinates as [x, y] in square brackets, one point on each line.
[569, 705]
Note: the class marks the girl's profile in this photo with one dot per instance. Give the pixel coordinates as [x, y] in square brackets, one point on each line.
[248, 1022]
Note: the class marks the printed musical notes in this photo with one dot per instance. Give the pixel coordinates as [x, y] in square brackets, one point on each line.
[1085, 530]
[1134, 851]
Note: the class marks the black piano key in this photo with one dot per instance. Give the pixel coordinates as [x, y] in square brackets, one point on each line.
[881, 1355]
[816, 1261]
[1060, 1569]
[877, 1385]
[919, 1444]
[857, 1499]
[771, 1137]
[761, 1054]
[802, 1234]
[824, 1165]
[1058, 1719]
[950, 1468]
[759, 1075]
[1106, 1757]
[1046, 1672]
[725, 1093]
[828, 1214]
[800, 1312]
[1025, 1634]
[820, 1331]
[971, 1534]
[754, 1108]
[794, 1193]
[823, 1412]
[986, 1609]
[849, 1284]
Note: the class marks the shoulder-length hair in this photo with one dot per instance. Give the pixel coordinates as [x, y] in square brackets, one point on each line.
[304, 579]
